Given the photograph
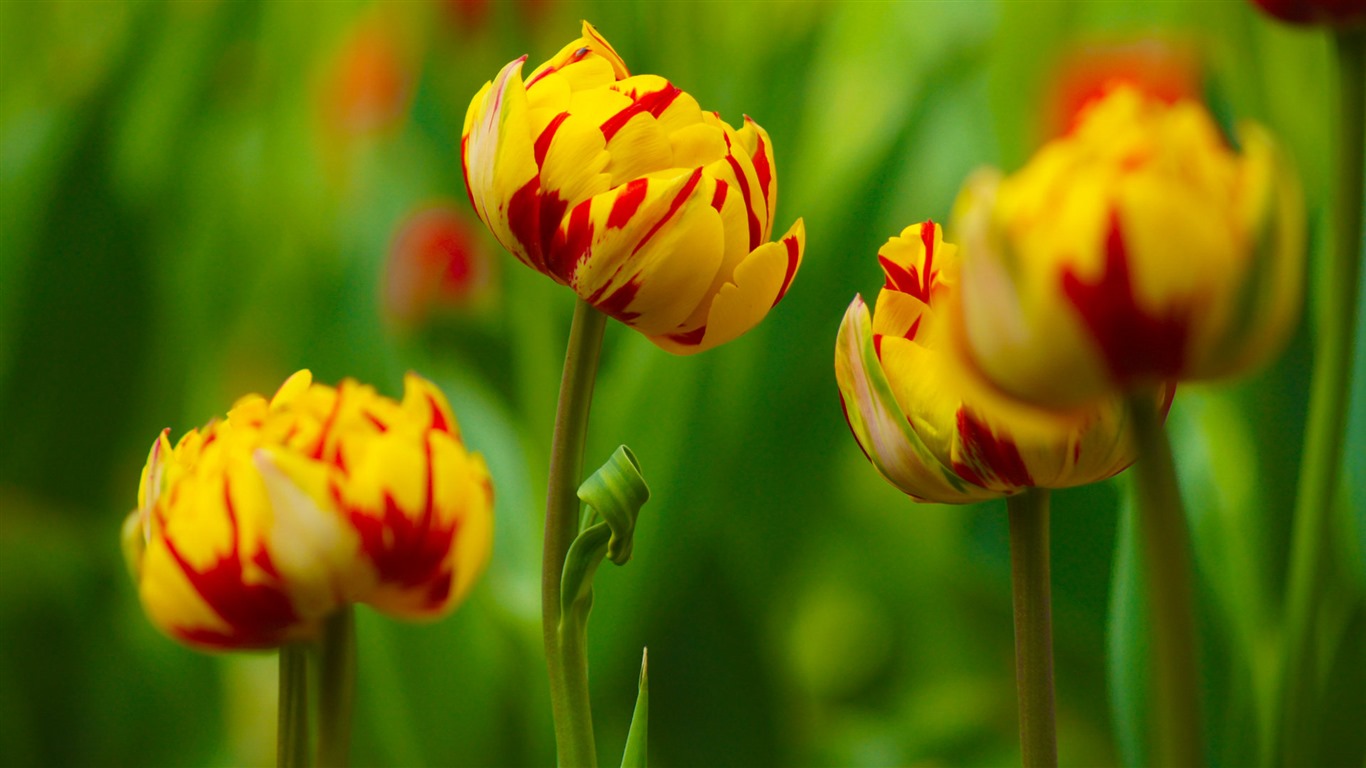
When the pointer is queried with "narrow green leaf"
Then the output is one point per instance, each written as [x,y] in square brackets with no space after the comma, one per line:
[636,739]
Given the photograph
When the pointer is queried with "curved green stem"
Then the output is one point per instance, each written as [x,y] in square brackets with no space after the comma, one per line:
[566,658]
[291,745]
[1029,577]
[1329,398]
[337,687]
[1165,548]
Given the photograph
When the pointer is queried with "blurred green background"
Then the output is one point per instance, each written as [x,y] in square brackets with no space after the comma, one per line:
[198,198]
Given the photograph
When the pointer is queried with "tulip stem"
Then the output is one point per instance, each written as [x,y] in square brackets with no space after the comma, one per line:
[1033,626]
[566,657]
[1165,547]
[337,687]
[291,743]
[1329,400]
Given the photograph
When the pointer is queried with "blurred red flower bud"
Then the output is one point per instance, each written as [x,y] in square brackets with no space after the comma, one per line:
[1164,70]
[367,84]
[436,263]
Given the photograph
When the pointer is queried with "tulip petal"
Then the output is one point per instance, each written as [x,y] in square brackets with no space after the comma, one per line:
[618,240]
[755,142]
[879,425]
[588,62]
[758,284]
[500,166]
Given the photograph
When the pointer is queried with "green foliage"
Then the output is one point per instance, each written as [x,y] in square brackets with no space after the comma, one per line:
[189,214]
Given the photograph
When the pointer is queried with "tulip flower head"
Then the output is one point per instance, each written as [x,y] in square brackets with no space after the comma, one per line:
[251,530]
[1138,248]
[621,187]
[926,419]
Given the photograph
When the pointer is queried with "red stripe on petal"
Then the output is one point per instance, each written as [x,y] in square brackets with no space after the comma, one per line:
[653,103]
[794,253]
[542,146]
[572,244]
[1135,344]
[317,452]
[762,171]
[439,422]
[617,301]
[927,230]
[258,615]
[552,213]
[899,278]
[718,198]
[676,204]
[755,233]
[524,221]
[988,457]
[689,338]
[573,57]
[627,203]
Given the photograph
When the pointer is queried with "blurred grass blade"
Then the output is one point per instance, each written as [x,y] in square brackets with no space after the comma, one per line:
[636,751]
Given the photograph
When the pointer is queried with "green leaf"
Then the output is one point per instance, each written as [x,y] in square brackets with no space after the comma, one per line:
[635,753]
[614,494]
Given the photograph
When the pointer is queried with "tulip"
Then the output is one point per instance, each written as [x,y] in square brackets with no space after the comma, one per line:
[250,531]
[436,265]
[922,413]
[1139,247]
[655,212]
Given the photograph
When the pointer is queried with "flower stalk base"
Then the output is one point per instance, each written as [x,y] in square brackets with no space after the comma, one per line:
[566,658]
[1165,549]
[337,688]
[1030,580]
[292,737]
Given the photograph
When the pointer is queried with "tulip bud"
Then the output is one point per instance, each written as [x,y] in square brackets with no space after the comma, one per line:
[436,265]
[249,531]
[922,413]
[655,212]
[1138,248]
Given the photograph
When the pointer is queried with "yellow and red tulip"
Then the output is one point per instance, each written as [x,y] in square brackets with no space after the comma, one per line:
[621,187]
[923,415]
[251,530]
[1140,247]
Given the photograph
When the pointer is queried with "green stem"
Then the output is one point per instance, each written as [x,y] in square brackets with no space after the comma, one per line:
[1165,547]
[1033,626]
[291,749]
[565,653]
[1328,403]
[337,688]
